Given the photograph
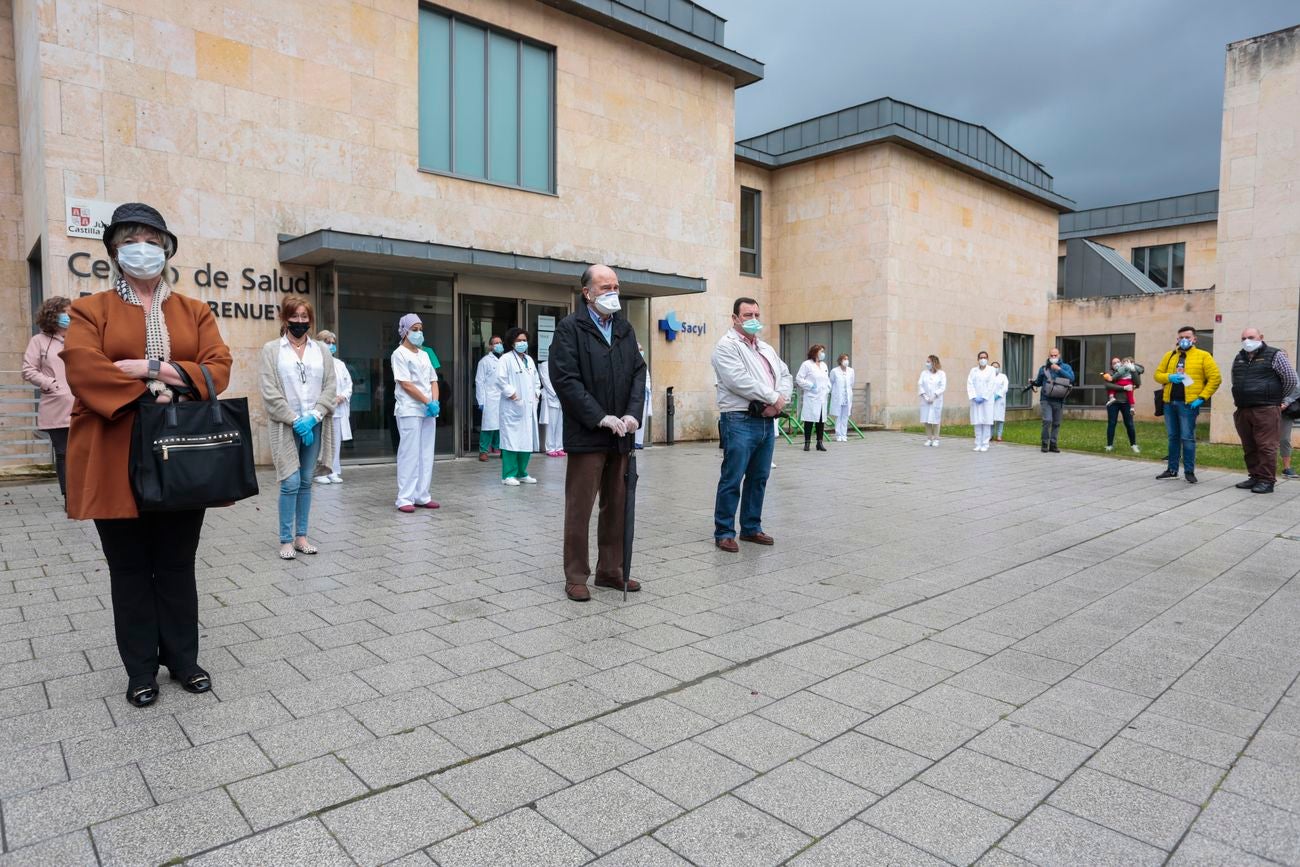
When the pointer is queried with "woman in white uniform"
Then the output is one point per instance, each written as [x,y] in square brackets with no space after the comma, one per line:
[1001,384]
[842,381]
[814,383]
[552,414]
[342,408]
[417,416]
[638,439]
[520,387]
[930,388]
[488,398]
[980,385]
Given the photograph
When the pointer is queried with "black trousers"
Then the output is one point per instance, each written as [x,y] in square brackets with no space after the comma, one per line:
[59,440]
[155,600]
[809,426]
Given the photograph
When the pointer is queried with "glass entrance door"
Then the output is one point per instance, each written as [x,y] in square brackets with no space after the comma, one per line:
[482,318]
[370,303]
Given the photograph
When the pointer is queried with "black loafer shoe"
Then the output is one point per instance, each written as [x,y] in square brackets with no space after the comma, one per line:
[197,681]
[1053,449]
[142,694]
[1247,485]
[1191,478]
[1262,488]
[1168,474]
[1044,450]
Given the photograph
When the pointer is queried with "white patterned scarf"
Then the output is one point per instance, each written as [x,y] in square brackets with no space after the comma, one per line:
[157,342]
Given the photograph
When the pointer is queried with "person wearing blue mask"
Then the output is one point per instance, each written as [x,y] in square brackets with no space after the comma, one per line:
[416,411]
[298,389]
[342,411]
[488,398]
[1189,376]
[43,368]
[520,386]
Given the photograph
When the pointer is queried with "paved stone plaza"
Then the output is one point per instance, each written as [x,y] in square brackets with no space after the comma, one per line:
[948,657]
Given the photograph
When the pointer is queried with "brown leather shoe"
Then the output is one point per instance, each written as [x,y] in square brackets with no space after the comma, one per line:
[759,539]
[729,545]
[633,585]
[482,456]
[577,592]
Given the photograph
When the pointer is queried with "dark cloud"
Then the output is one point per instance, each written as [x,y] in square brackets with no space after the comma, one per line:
[1119,100]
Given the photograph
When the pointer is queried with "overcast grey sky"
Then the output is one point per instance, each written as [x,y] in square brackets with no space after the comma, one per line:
[1120,101]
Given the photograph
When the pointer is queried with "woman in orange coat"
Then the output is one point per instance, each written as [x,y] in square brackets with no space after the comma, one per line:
[119,351]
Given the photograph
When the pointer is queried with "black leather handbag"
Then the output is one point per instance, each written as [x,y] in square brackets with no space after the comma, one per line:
[192,454]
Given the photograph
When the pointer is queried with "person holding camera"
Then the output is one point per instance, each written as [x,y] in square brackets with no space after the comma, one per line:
[1189,376]
[754,385]
[1055,380]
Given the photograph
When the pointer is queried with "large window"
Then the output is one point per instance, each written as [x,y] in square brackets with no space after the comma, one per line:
[1018,364]
[1090,357]
[750,232]
[487,103]
[1060,276]
[836,336]
[1163,265]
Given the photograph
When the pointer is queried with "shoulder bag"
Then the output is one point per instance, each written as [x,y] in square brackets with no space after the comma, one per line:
[192,454]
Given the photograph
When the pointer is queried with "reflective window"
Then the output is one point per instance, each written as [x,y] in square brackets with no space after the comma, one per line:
[750,231]
[1163,265]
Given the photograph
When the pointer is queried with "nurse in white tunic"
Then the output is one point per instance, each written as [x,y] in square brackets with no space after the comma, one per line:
[552,415]
[999,400]
[520,386]
[843,380]
[930,387]
[980,386]
[417,408]
[638,439]
[342,409]
[488,397]
[814,383]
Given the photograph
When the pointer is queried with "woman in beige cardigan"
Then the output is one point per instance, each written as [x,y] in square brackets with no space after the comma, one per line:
[298,388]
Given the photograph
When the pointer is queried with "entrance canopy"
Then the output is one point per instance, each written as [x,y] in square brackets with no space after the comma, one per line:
[347,248]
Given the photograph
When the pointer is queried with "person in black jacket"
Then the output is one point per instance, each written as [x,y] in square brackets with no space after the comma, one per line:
[1262,382]
[599,378]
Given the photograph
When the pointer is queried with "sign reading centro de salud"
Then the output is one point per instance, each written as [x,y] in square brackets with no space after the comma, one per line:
[87,218]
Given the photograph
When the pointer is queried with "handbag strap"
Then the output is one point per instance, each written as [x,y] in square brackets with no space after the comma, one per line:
[213,403]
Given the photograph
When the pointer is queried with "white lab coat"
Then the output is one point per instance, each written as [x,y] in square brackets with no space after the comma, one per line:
[639,437]
[843,379]
[487,392]
[549,412]
[981,383]
[1000,386]
[815,386]
[343,411]
[932,384]
[517,375]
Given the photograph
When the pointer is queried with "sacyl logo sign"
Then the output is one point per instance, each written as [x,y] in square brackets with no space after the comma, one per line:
[671,326]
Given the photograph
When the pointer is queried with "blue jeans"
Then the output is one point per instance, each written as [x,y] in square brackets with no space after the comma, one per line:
[1180,424]
[747,445]
[295,491]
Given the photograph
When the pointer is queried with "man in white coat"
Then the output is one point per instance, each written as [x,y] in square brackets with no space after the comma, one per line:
[999,400]
[551,414]
[843,379]
[487,394]
[980,387]
[638,439]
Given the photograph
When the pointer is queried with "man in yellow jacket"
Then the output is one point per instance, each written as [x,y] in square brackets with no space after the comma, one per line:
[1189,376]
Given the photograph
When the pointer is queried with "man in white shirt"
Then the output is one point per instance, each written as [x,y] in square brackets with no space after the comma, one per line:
[487,394]
[754,386]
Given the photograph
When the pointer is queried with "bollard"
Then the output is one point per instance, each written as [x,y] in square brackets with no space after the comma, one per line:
[670,412]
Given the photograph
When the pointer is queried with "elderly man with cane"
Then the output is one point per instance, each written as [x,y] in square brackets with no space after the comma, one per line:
[600,379]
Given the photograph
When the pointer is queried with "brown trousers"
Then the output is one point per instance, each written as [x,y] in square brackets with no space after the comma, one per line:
[587,475]
[1258,427]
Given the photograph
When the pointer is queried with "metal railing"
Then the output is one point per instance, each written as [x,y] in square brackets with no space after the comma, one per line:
[20,443]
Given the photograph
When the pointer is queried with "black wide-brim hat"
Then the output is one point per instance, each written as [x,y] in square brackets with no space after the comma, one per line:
[140,214]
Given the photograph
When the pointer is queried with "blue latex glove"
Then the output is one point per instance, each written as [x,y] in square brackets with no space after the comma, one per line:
[1175,377]
[997,397]
[432,408]
[977,400]
[304,425]
[308,438]
[1196,404]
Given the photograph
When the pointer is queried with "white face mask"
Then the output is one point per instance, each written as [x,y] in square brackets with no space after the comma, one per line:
[607,304]
[142,261]
[929,366]
[1251,345]
[844,362]
[984,362]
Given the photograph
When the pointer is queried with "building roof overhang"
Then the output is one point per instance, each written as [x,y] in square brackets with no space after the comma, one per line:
[324,246]
[1163,213]
[677,26]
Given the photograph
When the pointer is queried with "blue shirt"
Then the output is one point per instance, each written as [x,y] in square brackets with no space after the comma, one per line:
[606,330]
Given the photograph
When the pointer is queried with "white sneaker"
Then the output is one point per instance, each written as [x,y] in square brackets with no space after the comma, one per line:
[977,449]
[336,478]
[935,444]
[984,448]
[323,480]
[512,482]
[1137,450]
[929,442]
[1110,448]
[528,480]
